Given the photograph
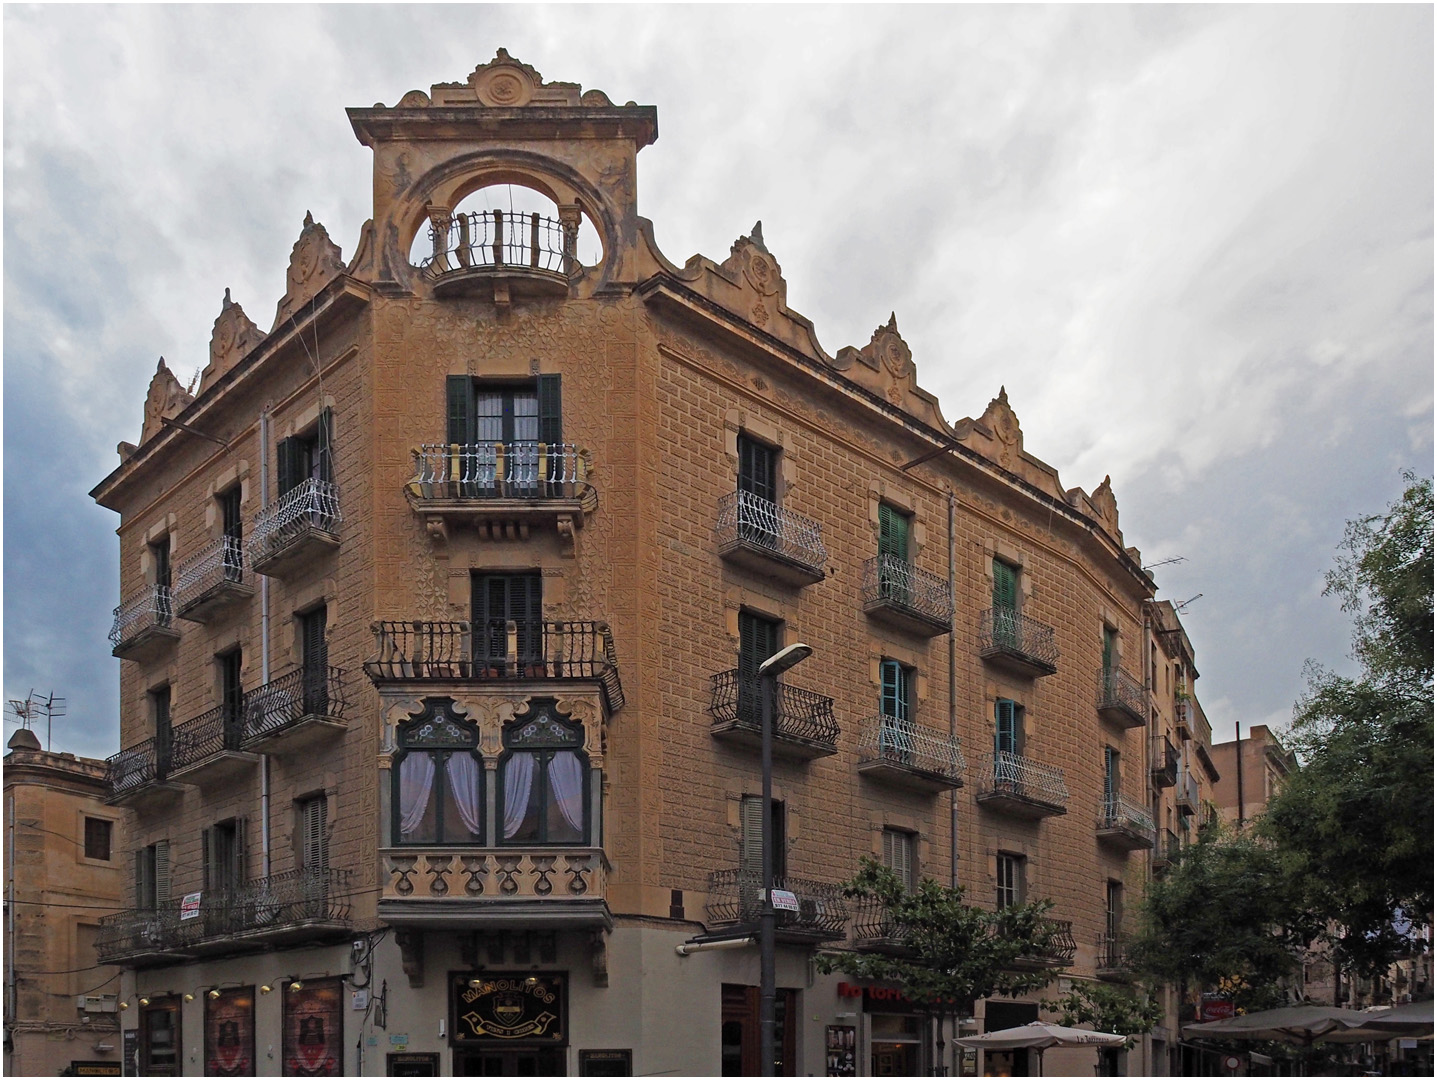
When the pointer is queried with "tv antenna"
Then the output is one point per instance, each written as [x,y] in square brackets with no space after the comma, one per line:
[1182,607]
[27,712]
[1166,562]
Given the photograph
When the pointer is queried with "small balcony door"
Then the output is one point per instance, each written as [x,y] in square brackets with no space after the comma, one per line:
[314,660]
[758,639]
[497,600]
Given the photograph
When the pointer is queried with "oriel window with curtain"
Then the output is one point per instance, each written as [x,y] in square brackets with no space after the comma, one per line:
[543,780]
[438,779]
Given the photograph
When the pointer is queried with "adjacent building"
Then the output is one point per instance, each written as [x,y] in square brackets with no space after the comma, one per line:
[443,601]
[1253,769]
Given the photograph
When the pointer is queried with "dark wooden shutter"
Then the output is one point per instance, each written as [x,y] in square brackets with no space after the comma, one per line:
[288,466]
[750,850]
[757,641]
[1112,775]
[239,866]
[314,661]
[1007,737]
[551,427]
[755,469]
[1005,586]
[892,532]
[145,878]
[1110,642]
[162,871]
[324,446]
[314,850]
[459,391]
[207,859]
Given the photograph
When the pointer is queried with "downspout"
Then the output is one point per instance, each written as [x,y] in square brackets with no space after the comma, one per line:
[264,641]
[952,693]
[1150,678]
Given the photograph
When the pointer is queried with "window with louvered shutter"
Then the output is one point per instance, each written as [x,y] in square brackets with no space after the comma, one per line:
[756,469]
[896,693]
[497,599]
[314,661]
[750,842]
[898,856]
[1113,912]
[1110,649]
[314,834]
[287,466]
[893,529]
[322,448]
[145,879]
[1008,727]
[1011,870]
[230,516]
[231,695]
[551,423]
[162,871]
[758,639]
[160,710]
[1112,774]
[1005,586]
[459,398]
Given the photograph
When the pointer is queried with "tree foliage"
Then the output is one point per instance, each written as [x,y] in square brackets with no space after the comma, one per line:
[1121,1010]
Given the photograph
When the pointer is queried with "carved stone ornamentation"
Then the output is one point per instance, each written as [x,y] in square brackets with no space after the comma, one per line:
[234,335]
[314,262]
[1000,419]
[166,399]
[1105,503]
[411,955]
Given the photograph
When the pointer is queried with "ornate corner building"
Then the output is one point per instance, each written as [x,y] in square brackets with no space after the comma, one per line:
[443,601]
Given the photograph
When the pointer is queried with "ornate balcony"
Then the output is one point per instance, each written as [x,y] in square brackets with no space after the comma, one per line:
[302,523]
[1166,850]
[506,253]
[1055,947]
[213,579]
[803,723]
[1124,824]
[208,748]
[1187,798]
[144,625]
[497,651]
[898,593]
[296,712]
[138,775]
[1012,784]
[736,899]
[495,888]
[873,929]
[1015,643]
[1122,699]
[760,536]
[1165,762]
[1111,962]
[307,905]
[907,754]
[503,488]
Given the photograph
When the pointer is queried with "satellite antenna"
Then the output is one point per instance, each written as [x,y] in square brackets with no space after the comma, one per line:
[33,708]
[1181,608]
[1166,562]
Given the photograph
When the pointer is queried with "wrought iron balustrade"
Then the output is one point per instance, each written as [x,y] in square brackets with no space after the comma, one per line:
[798,714]
[288,700]
[497,649]
[499,238]
[312,506]
[871,922]
[736,896]
[1187,793]
[151,608]
[1053,945]
[138,930]
[751,523]
[216,565]
[1121,812]
[888,579]
[137,767]
[1165,762]
[210,733]
[1012,775]
[910,745]
[1167,848]
[1112,953]
[498,470]
[1004,631]
[1121,697]
[494,873]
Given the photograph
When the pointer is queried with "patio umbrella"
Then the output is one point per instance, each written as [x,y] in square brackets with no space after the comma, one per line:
[1302,1025]
[1402,1022]
[1039,1036]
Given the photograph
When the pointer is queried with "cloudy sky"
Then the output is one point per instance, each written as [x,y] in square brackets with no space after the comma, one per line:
[1195,243]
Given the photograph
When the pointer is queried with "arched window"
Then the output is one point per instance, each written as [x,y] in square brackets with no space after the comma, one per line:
[544,780]
[438,779]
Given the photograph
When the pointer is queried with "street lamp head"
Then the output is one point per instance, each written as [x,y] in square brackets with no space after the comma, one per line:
[785,658]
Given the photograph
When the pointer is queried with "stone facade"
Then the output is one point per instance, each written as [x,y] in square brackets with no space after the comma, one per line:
[415,378]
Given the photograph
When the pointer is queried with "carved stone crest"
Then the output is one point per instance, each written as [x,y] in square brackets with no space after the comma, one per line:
[166,399]
[1000,419]
[1106,505]
[234,335]
[314,262]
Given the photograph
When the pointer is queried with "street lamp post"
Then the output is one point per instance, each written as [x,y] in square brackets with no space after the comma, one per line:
[768,673]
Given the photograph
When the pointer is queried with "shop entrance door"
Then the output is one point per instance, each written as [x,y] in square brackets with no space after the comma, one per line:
[515,1061]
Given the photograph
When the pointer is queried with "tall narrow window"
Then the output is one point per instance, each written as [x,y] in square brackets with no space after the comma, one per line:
[160,1038]
[312,815]
[306,457]
[230,665]
[897,691]
[152,875]
[438,779]
[1010,870]
[497,600]
[232,557]
[750,849]
[895,572]
[160,713]
[97,838]
[501,429]
[758,521]
[314,660]
[1110,650]
[222,856]
[1112,778]
[543,780]
[758,639]
[1005,586]
[900,857]
[164,604]
[1007,744]
[1113,911]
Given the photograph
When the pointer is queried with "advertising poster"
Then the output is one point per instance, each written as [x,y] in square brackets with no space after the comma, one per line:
[842,1045]
[313,1030]
[229,1033]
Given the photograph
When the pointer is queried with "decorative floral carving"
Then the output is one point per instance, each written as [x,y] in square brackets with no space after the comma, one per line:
[1000,419]
[234,335]
[314,262]
[165,399]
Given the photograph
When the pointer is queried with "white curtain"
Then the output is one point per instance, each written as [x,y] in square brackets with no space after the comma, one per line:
[416,780]
[463,773]
[566,785]
[518,780]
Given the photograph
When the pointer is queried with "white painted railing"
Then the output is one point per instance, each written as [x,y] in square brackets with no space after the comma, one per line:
[313,504]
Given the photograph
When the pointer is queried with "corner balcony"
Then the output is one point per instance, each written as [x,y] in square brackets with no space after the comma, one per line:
[1111,962]
[139,775]
[503,489]
[308,905]
[495,888]
[1165,762]
[1188,802]
[1017,644]
[1012,784]
[1122,699]
[1055,947]
[907,754]
[1124,824]
[144,625]
[212,580]
[500,253]
[775,543]
[303,523]
[898,593]
[736,901]
[1166,850]
[803,723]
[208,748]
[297,712]
[497,651]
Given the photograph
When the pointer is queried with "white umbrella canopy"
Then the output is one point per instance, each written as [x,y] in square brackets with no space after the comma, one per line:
[1299,1024]
[1415,1015]
[1040,1036]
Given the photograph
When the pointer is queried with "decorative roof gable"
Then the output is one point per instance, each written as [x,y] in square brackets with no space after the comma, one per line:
[234,335]
[166,399]
[314,262]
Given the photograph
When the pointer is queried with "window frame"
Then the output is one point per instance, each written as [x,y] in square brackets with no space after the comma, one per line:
[906,840]
[542,712]
[895,532]
[1011,879]
[897,684]
[757,467]
[312,849]
[1016,718]
[453,734]
[109,834]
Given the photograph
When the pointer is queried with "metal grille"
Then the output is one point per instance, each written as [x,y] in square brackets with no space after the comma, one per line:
[1006,773]
[798,713]
[290,698]
[150,607]
[132,769]
[908,743]
[1112,952]
[501,238]
[1008,630]
[893,580]
[1119,690]
[312,504]
[498,470]
[1121,812]
[1187,792]
[218,562]
[745,518]
[206,735]
[872,923]
[1165,762]
[736,896]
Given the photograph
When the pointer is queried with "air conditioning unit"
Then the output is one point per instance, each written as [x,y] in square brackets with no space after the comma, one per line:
[96,1003]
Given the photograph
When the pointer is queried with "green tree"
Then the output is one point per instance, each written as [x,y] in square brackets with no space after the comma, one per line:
[1121,1010]
[1356,817]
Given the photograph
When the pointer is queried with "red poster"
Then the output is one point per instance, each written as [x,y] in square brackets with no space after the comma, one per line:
[313,1030]
[229,1033]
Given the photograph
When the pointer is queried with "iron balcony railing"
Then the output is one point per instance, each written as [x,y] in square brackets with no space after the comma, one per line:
[736,896]
[1121,812]
[1165,762]
[311,505]
[153,606]
[798,714]
[871,922]
[1054,945]
[1167,847]
[1119,690]
[1112,952]
[499,649]
[892,580]
[746,519]
[495,238]
[145,763]
[1187,793]
[910,744]
[1007,630]
[208,734]
[1007,773]
[284,702]
[497,470]
[138,930]
[217,563]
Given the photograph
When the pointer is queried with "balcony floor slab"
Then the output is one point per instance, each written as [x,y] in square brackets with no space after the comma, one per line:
[220,768]
[305,734]
[1015,662]
[792,747]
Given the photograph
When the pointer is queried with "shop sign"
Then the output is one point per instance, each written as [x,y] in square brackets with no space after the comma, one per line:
[606,1063]
[1215,1007]
[840,1042]
[508,1008]
[229,1033]
[411,1065]
[190,906]
[95,1068]
[884,999]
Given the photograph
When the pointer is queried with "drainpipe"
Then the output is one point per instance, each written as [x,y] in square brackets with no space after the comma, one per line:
[952,694]
[264,640]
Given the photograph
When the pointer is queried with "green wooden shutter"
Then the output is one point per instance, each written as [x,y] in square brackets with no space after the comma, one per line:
[895,699]
[750,852]
[892,532]
[459,391]
[551,427]
[287,466]
[1005,586]
[1112,775]
[1006,734]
